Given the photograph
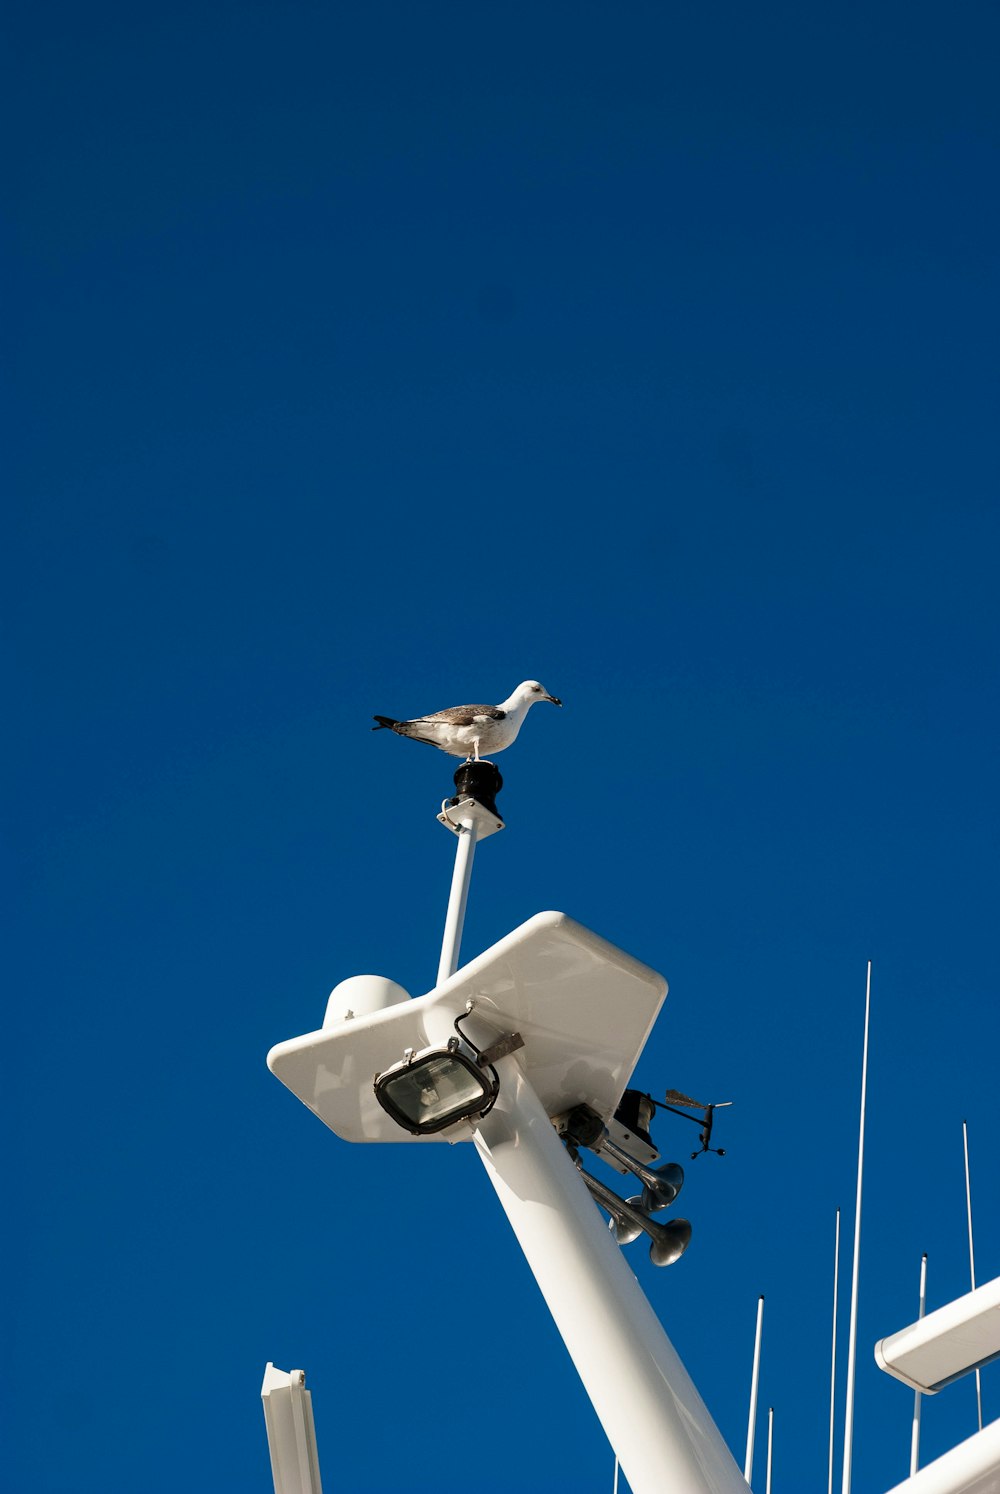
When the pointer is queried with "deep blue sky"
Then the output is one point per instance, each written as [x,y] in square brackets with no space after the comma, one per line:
[372,358]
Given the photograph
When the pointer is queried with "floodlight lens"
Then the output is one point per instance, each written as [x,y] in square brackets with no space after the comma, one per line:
[433,1092]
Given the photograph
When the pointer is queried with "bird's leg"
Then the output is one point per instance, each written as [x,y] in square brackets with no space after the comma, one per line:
[475,750]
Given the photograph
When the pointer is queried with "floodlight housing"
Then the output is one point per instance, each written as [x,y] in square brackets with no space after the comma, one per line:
[429,1091]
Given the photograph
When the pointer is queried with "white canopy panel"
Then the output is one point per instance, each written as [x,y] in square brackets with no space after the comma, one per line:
[973,1467]
[950,1342]
[583,1007]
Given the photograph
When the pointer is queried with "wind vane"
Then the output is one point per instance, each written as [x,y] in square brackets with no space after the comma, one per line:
[705,1121]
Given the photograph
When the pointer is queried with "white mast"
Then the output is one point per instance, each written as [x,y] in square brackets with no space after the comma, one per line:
[472,815]
[770,1437]
[853,1337]
[754,1377]
[972,1258]
[556,977]
[459,897]
[652,1414]
[833,1349]
[915,1435]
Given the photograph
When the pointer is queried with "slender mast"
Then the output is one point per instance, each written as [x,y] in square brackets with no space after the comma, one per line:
[754,1377]
[853,1334]
[455,917]
[770,1438]
[833,1350]
[651,1412]
[972,1258]
[915,1435]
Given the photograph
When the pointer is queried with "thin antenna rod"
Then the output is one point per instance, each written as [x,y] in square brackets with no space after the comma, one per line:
[615,1488]
[972,1258]
[770,1434]
[915,1436]
[455,918]
[833,1349]
[852,1344]
[755,1376]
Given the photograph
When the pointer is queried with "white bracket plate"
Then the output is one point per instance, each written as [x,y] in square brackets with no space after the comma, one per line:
[486,822]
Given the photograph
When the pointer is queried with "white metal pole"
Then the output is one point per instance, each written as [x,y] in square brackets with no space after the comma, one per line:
[972,1258]
[915,1435]
[852,1344]
[615,1489]
[770,1436]
[651,1412]
[754,1378]
[833,1349]
[458,898]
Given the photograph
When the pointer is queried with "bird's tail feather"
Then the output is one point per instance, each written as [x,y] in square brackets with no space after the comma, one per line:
[384,723]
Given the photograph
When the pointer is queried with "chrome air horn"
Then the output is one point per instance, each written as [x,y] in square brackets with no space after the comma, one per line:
[668,1242]
[660,1185]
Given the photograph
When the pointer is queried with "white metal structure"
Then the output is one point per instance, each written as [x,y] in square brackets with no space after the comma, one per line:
[455,919]
[852,1342]
[915,1431]
[654,1417]
[565,1016]
[754,1381]
[947,1343]
[973,1467]
[291,1435]
[972,1256]
[833,1350]
[471,822]
[584,1009]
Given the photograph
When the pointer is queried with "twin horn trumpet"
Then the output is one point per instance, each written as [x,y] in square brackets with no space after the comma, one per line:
[661,1185]
[668,1242]
[630,1217]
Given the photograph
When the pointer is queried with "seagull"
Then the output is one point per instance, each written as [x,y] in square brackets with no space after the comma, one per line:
[463,730]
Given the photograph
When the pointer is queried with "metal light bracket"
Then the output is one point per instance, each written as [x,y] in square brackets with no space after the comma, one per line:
[509,1043]
[455,810]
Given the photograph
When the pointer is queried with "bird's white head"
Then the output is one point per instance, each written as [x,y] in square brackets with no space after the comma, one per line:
[531,691]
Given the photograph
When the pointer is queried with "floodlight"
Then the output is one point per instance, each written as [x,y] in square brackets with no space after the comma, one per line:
[429,1091]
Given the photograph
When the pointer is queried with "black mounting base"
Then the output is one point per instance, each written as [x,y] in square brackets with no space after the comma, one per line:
[480,781]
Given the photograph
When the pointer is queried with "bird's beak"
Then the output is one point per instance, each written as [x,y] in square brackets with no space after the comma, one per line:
[554,699]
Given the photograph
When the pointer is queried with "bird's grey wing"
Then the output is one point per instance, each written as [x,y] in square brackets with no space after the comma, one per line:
[466,715]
